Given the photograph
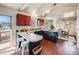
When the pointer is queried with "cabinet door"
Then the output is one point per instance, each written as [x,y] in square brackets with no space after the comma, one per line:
[27,21]
[40,22]
[20,20]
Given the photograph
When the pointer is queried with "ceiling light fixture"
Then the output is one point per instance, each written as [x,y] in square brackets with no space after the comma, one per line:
[48,11]
[34,13]
[24,6]
[54,4]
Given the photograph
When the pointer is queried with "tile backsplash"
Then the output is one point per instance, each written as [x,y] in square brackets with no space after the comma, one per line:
[29,30]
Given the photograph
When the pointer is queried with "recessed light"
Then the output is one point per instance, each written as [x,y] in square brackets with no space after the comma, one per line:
[47,11]
[34,13]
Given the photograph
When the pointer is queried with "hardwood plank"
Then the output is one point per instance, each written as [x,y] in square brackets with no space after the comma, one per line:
[61,47]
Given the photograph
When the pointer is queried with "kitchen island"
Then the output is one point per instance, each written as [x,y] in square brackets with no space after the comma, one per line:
[33,40]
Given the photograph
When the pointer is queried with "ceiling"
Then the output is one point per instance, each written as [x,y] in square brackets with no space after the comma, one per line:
[41,8]
[13,5]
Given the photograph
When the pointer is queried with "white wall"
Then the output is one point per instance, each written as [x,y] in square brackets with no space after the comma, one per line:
[77,26]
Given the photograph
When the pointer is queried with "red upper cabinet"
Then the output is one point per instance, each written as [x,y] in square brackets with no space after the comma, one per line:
[40,22]
[23,20]
[27,21]
[20,20]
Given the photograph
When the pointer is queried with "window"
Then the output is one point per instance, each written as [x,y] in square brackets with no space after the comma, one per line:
[69,14]
[5,22]
[5,27]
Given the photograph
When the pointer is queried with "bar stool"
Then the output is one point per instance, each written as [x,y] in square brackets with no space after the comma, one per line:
[19,41]
[24,45]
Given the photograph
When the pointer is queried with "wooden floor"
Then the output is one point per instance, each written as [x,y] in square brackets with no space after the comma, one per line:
[61,47]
